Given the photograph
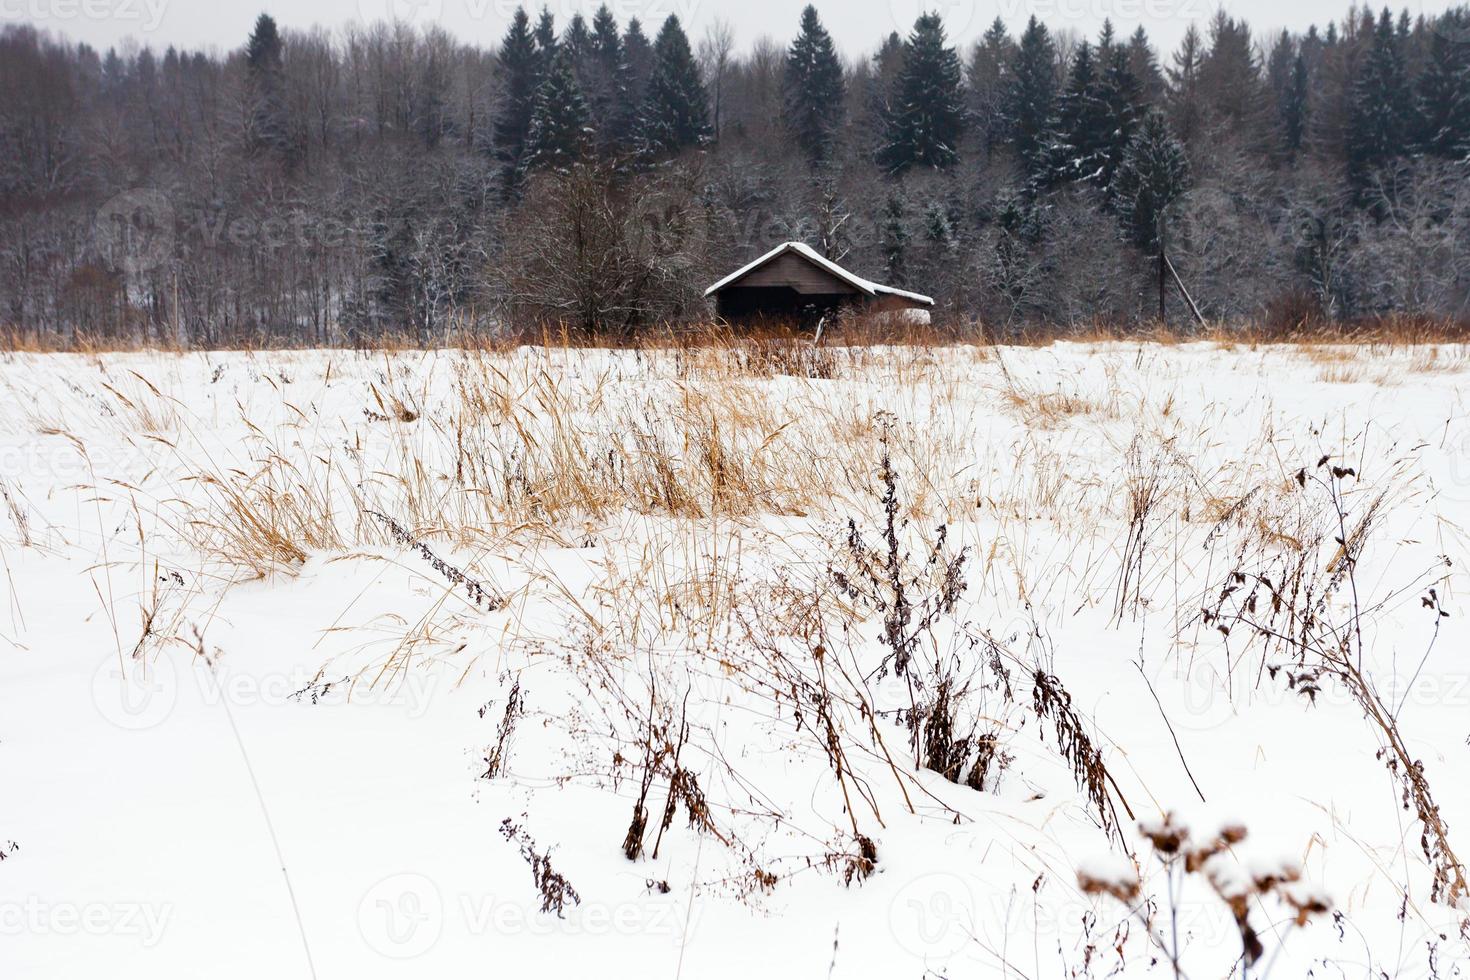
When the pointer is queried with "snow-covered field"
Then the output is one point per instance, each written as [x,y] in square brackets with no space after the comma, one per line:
[449,635]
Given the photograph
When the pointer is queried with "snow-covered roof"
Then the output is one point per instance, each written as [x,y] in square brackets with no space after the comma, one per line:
[816,258]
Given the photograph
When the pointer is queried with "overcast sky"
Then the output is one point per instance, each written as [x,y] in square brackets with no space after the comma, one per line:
[857,25]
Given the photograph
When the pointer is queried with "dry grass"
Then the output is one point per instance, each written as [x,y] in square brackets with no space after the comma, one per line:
[1395,330]
[760,517]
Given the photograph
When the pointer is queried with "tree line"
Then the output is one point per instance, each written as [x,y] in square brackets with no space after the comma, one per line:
[313,187]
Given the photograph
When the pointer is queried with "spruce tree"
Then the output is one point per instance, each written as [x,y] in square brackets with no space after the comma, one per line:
[614,112]
[1144,65]
[1017,232]
[893,241]
[1379,99]
[561,124]
[638,56]
[814,103]
[576,42]
[269,126]
[1184,86]
[1031,97]
[1076,147]
[925,125]
[1122,103]
[546,38]
[519,69]
[1096,117]
[1294,107]
[1443,91]
[882,94]
[1279,64]
[606,43]
[1230,76]
[675,112]
[988,75]
[1154,174]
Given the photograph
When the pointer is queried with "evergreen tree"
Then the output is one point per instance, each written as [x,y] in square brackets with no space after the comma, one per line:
[814,104]
[1018,231]
[1031,97]
[1184,86]
[1122,103]
[882,95]
[519,68]
[1379,101]
[1144,65]
[545,36]
[893,241]
[638,56]
[561,124]
[1331,102]
[1279,66]
[576,42]
[939,230]
[988,75]
[1230,79]
[676,107]
[1294,107]
[614,111]
[1443,92]
[1096,117]
[1076,148]
[1154,174]
[606,42]
[925,125]
[269,125]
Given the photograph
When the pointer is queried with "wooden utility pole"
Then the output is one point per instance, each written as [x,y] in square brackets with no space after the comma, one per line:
[1163,279]
[1166,272]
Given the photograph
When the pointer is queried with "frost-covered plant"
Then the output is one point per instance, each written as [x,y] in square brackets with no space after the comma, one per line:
[1181,856]
[1309,614]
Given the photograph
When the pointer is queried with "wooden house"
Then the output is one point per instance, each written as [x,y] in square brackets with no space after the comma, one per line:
[794,283]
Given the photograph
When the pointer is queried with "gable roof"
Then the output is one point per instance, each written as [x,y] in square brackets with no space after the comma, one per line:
[862,285]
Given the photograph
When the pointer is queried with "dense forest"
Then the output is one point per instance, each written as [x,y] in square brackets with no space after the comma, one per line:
[324,186]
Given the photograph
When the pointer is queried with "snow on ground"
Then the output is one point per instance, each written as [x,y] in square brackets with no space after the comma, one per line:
[241,630]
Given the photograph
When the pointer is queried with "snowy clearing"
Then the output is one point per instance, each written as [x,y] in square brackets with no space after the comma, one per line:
[859,663]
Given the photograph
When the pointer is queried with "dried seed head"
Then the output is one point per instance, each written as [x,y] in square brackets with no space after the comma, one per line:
[1166,835]
[1123,889]
[1306,901]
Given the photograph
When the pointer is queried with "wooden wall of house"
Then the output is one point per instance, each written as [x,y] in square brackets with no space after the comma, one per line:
[794,272]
